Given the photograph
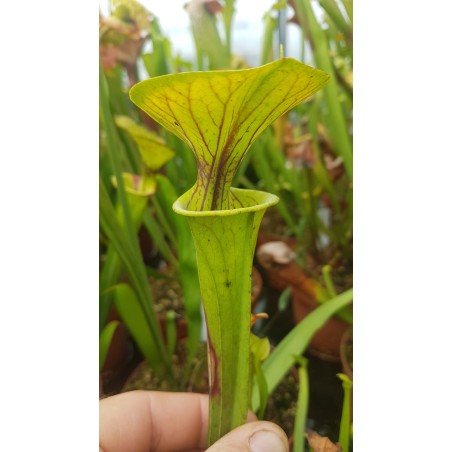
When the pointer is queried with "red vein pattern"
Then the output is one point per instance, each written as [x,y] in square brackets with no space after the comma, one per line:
[219,114]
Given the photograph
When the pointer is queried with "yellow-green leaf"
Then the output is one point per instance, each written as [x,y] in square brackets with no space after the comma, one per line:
[105,339]
[260,346]
[137,185]
[220,113]
[153,149]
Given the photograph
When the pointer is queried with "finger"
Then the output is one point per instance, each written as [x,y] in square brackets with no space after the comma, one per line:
[260,436]
[150,421]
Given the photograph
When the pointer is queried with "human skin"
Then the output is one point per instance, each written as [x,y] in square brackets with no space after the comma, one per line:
[164,421]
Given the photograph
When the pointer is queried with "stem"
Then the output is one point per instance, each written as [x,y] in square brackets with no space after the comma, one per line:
[344,430]
[302,405]
[326,272]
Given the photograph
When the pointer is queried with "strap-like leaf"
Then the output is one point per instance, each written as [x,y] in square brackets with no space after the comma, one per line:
[105,339]
[282,358]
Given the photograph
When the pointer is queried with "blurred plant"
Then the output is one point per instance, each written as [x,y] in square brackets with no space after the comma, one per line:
[306,157]
[133,152]
[122,35]
[139,189]
[328,35]
[105,339]
[212,50]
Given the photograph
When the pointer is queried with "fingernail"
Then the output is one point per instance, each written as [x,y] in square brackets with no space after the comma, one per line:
[267,441]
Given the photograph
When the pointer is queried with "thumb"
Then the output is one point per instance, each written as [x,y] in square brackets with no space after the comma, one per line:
[259,436]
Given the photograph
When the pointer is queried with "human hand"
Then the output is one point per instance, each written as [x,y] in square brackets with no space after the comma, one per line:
[164,421]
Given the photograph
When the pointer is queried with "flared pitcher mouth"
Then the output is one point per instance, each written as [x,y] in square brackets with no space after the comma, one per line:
[251,201]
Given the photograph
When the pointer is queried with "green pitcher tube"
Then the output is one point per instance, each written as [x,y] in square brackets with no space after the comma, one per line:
[225,241]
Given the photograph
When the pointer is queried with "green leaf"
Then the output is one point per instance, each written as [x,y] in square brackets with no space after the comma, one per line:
[188,269]
[153,149]
[158,62]
[260,346]
[137,185]
[171,331]
[281,359]
[228,14]
[114,153]
[219,114]
[284,298]
[128,307]
[260,349]
[105,340]
[137,190]
[261,383]
[156,232]
[333,10]
[135,268]
[270,26]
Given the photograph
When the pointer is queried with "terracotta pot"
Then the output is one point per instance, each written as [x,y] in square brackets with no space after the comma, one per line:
[281,272]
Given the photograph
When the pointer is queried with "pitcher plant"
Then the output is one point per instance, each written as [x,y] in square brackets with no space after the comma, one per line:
[219,114]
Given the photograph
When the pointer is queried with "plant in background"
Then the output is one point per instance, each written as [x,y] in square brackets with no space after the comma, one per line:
[139,188]
[133,153]
[141,200]
[120,231]
[277,364]
[306,160]
[219,114]
[346,426]
[327,36]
